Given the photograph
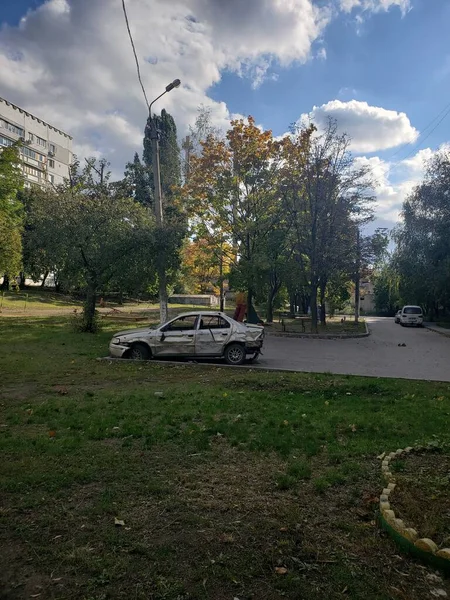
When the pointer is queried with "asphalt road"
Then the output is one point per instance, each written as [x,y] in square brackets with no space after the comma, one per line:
[426,355]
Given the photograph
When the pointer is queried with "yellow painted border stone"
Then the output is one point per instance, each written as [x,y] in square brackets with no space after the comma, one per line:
[408,533]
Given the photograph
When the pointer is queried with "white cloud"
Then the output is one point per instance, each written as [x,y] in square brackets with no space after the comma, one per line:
[371,128]
[394,181]
[70,61]
[389,196]
[375,5]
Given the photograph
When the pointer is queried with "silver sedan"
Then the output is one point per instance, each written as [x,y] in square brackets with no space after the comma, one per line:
[202,334]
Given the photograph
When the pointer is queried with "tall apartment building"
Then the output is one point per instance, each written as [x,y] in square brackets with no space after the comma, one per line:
[47,152]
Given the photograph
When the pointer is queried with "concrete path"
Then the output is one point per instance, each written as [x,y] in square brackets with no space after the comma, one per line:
[426,355]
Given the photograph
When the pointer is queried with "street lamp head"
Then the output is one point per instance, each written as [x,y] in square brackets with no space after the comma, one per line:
[175,83]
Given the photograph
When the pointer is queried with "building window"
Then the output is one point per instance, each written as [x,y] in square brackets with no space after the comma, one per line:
[31,137]
[32,154]
[51,163]
[28,152]
[51,178]
[13,128]
[5,141]
[32,171]
[52,148]
[41,142]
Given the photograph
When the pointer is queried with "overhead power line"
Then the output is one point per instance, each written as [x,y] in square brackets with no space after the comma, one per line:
[134,52]
[445,111]
[428,134]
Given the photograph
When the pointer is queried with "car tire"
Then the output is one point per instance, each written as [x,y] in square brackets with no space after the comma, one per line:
[139,352]
[402,324]
[235,354]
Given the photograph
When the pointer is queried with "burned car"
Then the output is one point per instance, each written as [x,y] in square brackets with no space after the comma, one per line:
[200,334]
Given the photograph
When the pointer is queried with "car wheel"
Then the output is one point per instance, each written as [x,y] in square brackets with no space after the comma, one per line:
[235,354]
[402,324]
[139,352]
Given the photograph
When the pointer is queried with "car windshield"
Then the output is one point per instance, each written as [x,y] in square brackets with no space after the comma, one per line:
[412,310]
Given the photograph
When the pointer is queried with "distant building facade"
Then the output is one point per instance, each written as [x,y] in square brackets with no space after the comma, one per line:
[47,152]
[367,297]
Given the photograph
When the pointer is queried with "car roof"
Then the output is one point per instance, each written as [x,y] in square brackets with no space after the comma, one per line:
[412,306]
[196,313]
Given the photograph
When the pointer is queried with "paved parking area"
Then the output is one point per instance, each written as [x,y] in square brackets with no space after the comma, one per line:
[425,356]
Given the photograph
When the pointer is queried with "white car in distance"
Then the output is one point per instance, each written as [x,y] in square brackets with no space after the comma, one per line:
[411,315]
[202,334]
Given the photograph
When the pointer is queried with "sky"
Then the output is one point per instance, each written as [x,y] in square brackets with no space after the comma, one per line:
[381,68]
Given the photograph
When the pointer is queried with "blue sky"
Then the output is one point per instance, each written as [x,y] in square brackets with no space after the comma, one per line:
[381,67]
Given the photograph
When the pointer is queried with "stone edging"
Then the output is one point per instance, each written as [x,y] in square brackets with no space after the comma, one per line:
[430,327]
[321,336]
[406,537]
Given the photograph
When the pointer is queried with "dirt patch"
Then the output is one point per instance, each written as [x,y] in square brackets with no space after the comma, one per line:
[204,525]
[422,495]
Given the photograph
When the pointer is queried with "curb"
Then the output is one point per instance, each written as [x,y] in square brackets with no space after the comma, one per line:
[438,331]
[405,537]
[322,336]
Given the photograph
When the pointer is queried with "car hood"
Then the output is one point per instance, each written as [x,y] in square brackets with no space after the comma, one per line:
[137,331]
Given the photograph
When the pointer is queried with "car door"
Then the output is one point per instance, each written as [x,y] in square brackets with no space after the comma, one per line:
[177,337]
[212,335]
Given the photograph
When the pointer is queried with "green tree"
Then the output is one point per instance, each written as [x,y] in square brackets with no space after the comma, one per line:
[324,196]
[11,212]
[135,183]
[91,236]
[386,289]
[169,152]
[171,235]
[232,194]
[422,255]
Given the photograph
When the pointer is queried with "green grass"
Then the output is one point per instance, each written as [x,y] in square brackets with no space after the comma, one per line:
[222,479]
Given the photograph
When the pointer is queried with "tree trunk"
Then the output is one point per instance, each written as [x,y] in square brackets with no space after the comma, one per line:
[44,279]
[270,299]
[323,287]
[89,308]
[292,304]
[22,280]
[313,306]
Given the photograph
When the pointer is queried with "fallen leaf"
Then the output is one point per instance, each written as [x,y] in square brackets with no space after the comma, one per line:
[285,422]
[283,529]
[281,570]
[52,433]
[119,522]
[353,427]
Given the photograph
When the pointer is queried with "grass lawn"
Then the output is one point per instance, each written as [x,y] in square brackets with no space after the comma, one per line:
[229,483]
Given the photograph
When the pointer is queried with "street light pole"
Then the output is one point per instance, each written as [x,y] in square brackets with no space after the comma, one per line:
[159,214]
